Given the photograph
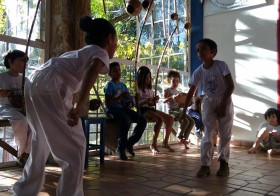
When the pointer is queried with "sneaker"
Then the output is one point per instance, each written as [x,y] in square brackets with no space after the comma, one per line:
[121,154]
[203,171]
[224,169]
[130,150]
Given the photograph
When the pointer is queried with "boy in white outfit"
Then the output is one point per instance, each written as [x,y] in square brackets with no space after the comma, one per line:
[54,121]
[11,87]
[215,78]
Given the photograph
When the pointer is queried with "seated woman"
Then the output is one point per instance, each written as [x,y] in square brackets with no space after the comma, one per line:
[10,85]
[268,134]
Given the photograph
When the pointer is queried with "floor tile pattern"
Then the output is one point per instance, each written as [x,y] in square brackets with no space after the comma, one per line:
[170,173]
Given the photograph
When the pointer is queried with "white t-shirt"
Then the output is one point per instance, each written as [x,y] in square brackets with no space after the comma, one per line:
[270,127]
[8,82]
[172,105]
[149,93]
[212,79]
[73,65]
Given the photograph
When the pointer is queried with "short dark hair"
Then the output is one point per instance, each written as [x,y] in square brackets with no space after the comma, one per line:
[13,55]
[209,42]
[270,112]
[113,64]
[173,73]
[97,30]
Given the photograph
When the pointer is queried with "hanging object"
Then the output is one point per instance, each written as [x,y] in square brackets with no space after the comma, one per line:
[104,7]
[26,50]
[161,57]
[137,54]
[187,26]
[133,7]
[174,16]
[148,3]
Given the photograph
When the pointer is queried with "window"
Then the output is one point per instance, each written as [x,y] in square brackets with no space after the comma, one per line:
[15,24]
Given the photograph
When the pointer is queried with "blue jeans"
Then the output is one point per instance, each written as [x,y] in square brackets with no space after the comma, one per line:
[197,119]
[125,117]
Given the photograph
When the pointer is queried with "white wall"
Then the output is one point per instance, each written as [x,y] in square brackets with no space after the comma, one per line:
[246,39]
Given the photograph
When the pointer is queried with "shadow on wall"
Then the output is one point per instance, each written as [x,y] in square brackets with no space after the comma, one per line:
[246,41]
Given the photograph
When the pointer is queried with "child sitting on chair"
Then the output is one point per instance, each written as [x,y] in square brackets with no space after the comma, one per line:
[10,88]
[175,108]
[269,134]
[116,93]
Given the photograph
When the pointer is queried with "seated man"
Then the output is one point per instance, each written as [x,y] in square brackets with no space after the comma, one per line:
[10,89]
[269,134]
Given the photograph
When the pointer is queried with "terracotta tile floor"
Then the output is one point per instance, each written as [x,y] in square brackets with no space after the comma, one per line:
[168,174]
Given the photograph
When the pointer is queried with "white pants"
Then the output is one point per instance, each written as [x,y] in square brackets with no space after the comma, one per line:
[47,104]
[209,119]
[20,127]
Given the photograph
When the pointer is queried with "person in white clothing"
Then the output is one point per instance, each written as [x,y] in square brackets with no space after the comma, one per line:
[268,134]
[215,78]
[11,107]
[54,120]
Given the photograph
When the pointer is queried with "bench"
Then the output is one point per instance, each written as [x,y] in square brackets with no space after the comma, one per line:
[3,144]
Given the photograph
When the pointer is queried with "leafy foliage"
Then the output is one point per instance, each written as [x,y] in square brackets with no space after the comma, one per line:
[3,16]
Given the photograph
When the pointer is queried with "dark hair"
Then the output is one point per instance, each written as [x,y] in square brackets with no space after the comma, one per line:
[113,64]
[97,30]
[141,77]
[209,42]
[173,73]
[12,55]
[270,112]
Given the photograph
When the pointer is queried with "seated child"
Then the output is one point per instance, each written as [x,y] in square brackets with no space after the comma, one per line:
[116,93]
[147,101]
[175,109]
[268,134]
[11,87]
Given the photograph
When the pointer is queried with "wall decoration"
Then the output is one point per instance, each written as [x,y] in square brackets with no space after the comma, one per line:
[212,7]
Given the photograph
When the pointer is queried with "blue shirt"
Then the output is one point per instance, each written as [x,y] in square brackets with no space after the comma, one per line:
[114,89]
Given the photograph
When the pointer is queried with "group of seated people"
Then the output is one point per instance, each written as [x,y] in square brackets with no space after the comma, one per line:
[119,103]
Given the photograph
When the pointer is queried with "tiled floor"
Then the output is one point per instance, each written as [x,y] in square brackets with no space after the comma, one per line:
[168,174]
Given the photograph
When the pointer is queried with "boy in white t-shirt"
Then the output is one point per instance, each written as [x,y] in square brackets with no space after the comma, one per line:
[217,84]
[268,134]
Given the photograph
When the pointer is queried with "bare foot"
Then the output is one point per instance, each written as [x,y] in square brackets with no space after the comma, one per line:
[166,146]
[252,150]
[184,142]
[154,149]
